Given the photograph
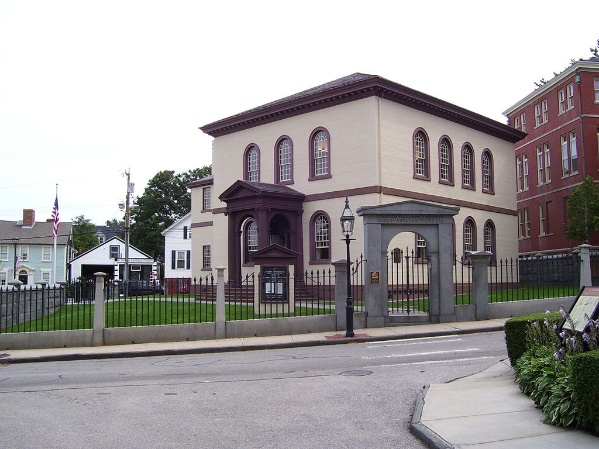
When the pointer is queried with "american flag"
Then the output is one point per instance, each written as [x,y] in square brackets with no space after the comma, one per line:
[55,217]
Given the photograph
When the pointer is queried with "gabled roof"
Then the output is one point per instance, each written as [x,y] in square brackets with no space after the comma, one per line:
[39,234]
[355,87]
[247,189]
[176,223]
[107,242]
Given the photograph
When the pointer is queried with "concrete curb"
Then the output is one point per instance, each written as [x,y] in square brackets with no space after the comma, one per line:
[422,432]
[101,353]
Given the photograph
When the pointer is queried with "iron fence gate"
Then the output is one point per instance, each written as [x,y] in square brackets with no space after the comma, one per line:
[408,276]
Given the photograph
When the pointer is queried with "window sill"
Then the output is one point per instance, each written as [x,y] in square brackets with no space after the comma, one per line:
[316,178]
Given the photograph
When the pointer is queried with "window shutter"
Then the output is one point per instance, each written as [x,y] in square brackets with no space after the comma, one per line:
[173,259]
[185,232]
[188,259]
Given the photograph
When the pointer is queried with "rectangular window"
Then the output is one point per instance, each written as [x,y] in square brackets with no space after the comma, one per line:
[565,156]
[540,166]
[542,219]
[206,262]
[570,90]
[545,111]
[547,163]
[181,259]
[519,174]
[421,253]
[525,169]
[46,254]
[596,90]
[573,153]
[4,252]
[3,277]
[115,251]
[537,115]
[523,223]
[523,120]
[24,253]
[517,123]
[46,276]
[206,198]
[561,99]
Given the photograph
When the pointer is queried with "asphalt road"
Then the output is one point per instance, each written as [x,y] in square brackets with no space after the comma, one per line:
[340,396]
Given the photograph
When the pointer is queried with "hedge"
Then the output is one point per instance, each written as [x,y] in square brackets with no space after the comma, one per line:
[585,367]
[515,332]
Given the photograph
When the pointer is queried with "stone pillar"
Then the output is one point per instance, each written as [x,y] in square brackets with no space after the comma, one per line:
[480,282]
[585,266]
[341,274]
[98,332]
[221,329]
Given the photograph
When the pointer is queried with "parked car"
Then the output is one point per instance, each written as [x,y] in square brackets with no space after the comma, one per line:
[137,287]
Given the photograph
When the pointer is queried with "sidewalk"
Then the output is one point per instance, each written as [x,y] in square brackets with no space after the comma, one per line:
[483,411]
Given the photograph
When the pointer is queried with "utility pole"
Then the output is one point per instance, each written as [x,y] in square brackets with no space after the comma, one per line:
[127,231]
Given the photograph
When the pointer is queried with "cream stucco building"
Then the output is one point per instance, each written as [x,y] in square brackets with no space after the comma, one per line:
[281,173]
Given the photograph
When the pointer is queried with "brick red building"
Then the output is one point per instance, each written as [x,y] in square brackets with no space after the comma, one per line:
[561,119]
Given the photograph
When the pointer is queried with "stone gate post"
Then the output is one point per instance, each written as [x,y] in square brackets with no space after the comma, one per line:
[221,327]
[480,282]
[340,292]
[98,332]
[585,266]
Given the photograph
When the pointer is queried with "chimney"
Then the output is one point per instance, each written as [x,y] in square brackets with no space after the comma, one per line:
[28,218]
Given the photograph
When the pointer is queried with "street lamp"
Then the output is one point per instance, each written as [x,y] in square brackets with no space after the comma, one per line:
[347,229]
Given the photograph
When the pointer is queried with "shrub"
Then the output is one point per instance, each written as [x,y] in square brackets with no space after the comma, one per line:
[515,332]
[585,367]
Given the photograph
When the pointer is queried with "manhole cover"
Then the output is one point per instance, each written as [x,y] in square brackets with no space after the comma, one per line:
[357,372]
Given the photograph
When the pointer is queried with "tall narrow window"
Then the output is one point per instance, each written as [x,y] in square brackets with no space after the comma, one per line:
[206,198]
[490,239]
[206,259]
[537,115]
[545,111]
[596,90]
[523,120]
[547,162]
[250,240]
[540,166]
[320,155]
[47,254]
[445,162]
[573,152]
[519,174]
[525,170]
[565,156]
[467,167]
[469,243]
[421,158]
[252,164]
[542,219]
[488,174]
[570,90]
[320,236]
[523,223]
[561,101]
[517,123]
[283,161]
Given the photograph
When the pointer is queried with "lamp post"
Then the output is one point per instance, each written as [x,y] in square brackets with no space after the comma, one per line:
[347,229]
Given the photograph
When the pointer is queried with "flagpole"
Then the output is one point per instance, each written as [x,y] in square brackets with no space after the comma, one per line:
[55,234]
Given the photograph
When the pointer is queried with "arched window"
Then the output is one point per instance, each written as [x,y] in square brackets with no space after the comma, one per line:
[469,236]
[284,161]
[421,155]
[320,238]
[251,170]
[445,161]
[487,169]
[489,236]
[320,154]
[250,239]
[468,167]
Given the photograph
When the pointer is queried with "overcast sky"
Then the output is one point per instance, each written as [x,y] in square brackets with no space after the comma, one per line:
[90,89]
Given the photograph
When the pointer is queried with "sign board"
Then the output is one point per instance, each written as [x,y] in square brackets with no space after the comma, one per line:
[374,277]
[274,284]
[587,303]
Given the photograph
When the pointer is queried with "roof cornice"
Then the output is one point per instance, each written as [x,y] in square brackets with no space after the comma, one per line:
[356,87]
[585,65]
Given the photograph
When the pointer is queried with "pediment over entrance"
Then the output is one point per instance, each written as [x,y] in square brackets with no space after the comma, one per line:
[411,207]
[245,190]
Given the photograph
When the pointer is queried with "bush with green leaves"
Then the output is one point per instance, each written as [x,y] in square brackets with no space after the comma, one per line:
[549,371]
[516,331]
[585,367]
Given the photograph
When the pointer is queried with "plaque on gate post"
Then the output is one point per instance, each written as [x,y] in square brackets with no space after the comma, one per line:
[274,284]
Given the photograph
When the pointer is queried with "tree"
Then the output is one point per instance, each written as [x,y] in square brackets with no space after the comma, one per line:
[84,234]
[118,226]
[583,211]
[165,200]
